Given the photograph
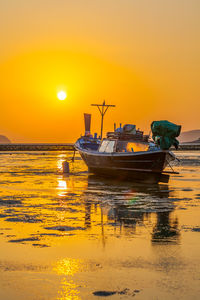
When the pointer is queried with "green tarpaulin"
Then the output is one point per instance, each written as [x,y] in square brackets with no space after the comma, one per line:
[164,133]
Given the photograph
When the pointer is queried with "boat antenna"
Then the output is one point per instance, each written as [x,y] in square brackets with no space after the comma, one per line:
[102,109]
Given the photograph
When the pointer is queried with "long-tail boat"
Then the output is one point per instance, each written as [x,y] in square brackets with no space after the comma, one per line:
[126,153]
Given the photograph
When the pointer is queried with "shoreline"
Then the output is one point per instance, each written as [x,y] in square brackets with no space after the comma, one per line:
[70,147]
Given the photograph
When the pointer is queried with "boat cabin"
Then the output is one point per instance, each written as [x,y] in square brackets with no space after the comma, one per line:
[126,139]
[110,146]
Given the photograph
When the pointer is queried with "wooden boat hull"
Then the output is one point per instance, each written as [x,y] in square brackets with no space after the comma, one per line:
[145,165]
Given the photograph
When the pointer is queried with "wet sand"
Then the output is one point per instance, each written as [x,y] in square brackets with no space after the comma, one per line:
[82,237]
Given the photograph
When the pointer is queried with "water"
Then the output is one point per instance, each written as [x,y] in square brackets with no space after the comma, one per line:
[81,237]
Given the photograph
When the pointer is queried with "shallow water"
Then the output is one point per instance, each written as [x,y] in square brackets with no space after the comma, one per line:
[82,237]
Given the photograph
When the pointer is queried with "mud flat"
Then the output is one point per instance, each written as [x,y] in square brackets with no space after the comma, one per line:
[82,237]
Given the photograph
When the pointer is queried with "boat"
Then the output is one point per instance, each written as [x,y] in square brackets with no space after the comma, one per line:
[128,154]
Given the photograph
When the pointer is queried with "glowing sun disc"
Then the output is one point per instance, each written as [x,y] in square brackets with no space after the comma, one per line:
[61,95]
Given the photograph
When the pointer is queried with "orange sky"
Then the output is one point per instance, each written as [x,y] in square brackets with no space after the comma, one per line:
[141,55]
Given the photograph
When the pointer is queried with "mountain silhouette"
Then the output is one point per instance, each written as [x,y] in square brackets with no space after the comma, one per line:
[4,140]
[189,136]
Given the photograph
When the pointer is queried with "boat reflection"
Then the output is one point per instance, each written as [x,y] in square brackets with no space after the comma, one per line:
[166,229]
[108,205]
[128,205]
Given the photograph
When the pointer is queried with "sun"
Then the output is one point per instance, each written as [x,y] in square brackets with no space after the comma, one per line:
[62,95]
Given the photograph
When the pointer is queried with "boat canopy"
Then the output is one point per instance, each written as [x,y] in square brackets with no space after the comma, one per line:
[164,133]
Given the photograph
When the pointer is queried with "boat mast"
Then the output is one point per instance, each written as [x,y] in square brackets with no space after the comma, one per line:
[102,109]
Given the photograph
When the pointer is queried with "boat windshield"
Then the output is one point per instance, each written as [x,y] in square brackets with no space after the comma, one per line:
[126,146]
[107,146]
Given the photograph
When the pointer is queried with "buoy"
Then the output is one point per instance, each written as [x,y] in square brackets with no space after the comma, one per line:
[65,166]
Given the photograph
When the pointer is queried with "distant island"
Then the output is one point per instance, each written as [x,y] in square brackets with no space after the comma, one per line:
[4,140]
[190,136]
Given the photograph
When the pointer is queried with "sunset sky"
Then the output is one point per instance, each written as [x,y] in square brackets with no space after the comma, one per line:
[142,55]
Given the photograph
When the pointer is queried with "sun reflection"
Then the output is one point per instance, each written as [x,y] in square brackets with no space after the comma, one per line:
[61,159]
[69,291]
[62,184]
[68,266]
